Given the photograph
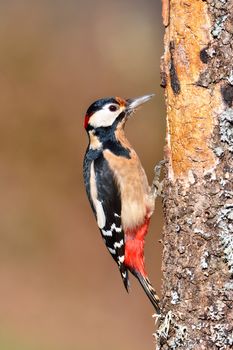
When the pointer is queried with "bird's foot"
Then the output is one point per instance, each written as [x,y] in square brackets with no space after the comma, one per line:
[157,186]
[169,331]
[164,325]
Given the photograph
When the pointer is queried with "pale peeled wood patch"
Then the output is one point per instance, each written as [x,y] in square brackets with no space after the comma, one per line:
[190,120]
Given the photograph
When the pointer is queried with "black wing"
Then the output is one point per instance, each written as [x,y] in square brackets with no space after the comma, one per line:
[109,196]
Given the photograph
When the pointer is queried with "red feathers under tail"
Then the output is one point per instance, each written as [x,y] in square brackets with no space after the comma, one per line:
[134,247]
[135,262]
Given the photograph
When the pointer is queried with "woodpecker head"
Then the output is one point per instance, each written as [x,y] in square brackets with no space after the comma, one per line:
[109,112]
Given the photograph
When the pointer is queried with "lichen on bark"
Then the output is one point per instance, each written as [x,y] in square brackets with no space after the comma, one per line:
[198,193]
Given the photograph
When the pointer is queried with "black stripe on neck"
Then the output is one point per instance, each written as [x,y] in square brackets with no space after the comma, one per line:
[106,136]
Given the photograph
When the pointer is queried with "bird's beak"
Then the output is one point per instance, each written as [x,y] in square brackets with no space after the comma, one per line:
[133,103]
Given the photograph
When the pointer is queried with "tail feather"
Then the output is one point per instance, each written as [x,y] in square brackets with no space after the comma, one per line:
[149,290]
[124,276]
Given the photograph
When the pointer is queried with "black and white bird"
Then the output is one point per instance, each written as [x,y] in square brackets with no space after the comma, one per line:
[117,187]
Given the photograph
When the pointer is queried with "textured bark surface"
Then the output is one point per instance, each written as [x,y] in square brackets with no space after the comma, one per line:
[197,73]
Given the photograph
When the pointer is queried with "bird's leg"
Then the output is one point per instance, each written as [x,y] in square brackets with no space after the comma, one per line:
[157,186]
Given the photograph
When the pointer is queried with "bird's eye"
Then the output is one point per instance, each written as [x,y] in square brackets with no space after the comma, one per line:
[112,108]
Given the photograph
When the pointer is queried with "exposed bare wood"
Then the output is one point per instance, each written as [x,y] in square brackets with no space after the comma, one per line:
[165,12]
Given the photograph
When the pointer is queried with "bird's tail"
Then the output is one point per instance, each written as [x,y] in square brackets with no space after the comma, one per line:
[124,276]
[149,290]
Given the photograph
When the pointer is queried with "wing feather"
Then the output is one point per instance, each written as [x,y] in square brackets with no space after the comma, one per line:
[108,195]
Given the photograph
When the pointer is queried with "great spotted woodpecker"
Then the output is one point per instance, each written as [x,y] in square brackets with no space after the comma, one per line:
[117,187]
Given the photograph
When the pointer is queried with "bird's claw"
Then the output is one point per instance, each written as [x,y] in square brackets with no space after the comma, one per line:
[157,186]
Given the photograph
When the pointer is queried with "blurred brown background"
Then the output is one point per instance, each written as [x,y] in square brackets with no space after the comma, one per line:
[59,287]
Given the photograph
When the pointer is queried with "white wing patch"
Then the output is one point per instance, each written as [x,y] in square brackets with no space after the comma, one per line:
[101,219]
[117,229]
[108,233]
[112,251]
[121,259]
[119,244]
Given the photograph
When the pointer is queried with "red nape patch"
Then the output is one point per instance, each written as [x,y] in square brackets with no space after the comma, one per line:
[134,248]
[86,120]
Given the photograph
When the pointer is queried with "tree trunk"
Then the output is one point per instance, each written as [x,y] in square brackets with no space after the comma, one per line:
[197,73]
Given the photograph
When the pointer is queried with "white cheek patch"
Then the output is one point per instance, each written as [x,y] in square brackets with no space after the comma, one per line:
[101,219]
[104,117]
